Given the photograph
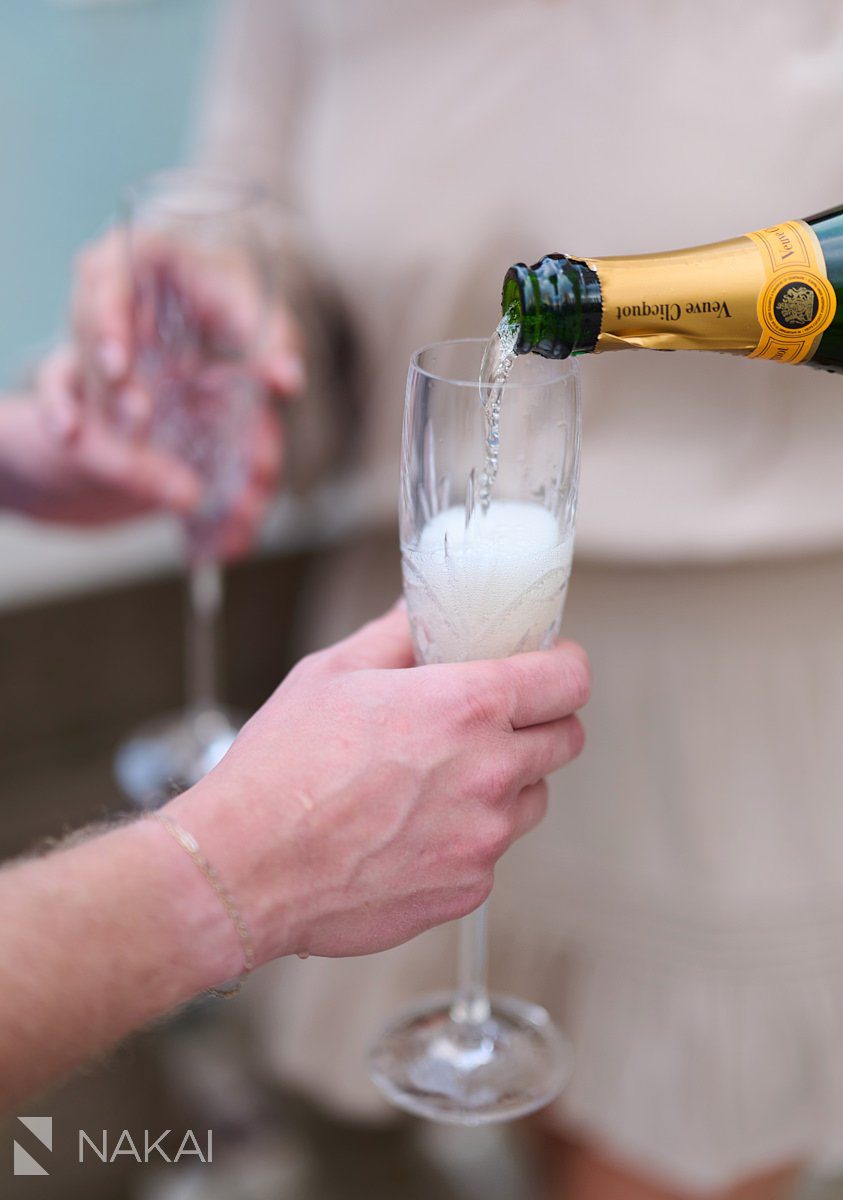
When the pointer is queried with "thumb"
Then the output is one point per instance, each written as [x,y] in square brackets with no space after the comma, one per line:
[384,643]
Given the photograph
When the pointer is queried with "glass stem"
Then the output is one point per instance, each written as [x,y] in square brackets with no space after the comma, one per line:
[471,1003]
[203,613]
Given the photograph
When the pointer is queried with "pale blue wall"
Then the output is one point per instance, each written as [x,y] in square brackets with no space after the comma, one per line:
[91,96]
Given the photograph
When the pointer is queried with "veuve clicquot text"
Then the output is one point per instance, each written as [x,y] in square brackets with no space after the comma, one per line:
[775,293]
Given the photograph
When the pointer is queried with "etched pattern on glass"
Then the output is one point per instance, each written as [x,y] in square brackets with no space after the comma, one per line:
[487,588]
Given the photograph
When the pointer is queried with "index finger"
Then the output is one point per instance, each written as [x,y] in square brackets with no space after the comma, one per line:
[544,685]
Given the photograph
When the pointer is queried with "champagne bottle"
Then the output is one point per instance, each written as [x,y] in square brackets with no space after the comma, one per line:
[776,293]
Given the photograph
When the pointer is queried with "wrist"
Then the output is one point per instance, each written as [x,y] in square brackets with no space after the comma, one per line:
[202,947]
[233,838]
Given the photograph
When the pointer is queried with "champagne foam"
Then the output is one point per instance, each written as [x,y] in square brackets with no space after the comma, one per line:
[488,589]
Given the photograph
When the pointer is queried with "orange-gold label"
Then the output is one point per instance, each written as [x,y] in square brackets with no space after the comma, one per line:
[797,303]
[763,295]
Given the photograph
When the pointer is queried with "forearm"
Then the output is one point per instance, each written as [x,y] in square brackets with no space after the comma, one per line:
[98,939]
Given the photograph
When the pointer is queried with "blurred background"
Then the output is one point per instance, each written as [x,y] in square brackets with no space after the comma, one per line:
[92,96]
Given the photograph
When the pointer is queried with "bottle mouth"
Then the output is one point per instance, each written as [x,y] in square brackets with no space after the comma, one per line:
[556,304]
[517,305]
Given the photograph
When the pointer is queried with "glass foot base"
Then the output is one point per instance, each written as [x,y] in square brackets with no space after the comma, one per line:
[510,1064]
[171,753]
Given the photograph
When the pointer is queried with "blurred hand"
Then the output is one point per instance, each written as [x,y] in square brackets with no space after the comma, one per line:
[94,478]
[216,292]
[86,472]
[366,801]
[187,309]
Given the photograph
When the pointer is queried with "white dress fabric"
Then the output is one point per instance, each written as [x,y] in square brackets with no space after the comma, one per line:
[680,912]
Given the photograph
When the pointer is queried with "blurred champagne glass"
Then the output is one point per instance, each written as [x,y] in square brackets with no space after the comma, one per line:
[201,294]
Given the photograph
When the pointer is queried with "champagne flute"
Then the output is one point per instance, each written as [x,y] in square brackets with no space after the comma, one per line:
[482,581]
[201,291]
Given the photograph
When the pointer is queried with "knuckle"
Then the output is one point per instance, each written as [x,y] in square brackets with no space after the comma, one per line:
[535,805]
[545,754]
[309,666]
[335,661]
[472,708]
[576,741]
[473,894]
[480,703]
[493,781]
[566,744]
[482,890]
[495,837]
[450,908]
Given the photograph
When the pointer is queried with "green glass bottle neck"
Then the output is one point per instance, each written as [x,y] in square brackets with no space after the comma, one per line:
[557,305]
[828,226]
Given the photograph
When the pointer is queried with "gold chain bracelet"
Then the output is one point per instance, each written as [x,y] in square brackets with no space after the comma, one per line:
[190,845]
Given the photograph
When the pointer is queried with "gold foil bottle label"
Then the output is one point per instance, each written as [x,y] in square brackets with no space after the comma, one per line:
[796,303]
[702,298]
[764,295]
